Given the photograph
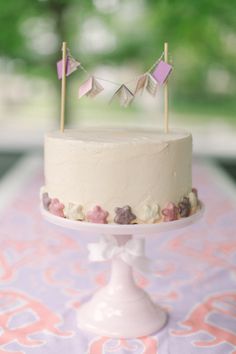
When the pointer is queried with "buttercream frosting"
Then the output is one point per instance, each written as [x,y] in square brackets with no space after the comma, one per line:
[118,167]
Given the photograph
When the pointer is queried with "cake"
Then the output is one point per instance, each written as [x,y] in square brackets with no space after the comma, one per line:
[123,176]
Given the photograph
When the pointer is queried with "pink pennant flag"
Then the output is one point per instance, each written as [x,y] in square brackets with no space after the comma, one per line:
[71,66]
[141,84]
[147,82]
[90,87]
[162,72]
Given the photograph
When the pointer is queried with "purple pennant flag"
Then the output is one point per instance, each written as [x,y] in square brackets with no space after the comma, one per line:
[161,72]
[71,66]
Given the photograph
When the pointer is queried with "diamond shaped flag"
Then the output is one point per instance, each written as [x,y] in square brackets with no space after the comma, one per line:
[151,85]
[124,95]
[162,71]
[90,87]
[71,65]
[141,84]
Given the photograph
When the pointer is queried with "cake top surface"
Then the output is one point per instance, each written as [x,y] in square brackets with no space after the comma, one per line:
[118,135]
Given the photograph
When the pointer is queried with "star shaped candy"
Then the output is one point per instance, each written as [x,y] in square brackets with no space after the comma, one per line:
[150,213]
[170,212]
[193,199]
[194,190]
[124,215]
[57,208]
[46,200]
[97,215]
[74,212]
[184,207]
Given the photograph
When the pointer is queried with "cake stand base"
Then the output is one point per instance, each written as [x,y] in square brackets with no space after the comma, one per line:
[121,309]
[124,319]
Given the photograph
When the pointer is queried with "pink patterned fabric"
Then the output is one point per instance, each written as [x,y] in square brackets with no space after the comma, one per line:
[45,276]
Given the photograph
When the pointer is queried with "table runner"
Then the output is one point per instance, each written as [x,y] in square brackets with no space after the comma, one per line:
[45,276]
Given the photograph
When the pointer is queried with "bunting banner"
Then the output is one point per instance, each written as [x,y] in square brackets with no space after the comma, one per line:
[71,66]
[124,95]
[156,76]
[151,85]
[161,72]
[141,84]
[90,88]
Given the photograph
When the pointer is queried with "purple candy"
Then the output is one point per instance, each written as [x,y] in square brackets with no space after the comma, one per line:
[46,200]
[124,215]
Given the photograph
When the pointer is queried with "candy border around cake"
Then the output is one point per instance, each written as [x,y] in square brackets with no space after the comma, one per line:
[187,206]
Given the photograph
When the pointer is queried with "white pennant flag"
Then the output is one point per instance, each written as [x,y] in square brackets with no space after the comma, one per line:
[151,85]
[124,95]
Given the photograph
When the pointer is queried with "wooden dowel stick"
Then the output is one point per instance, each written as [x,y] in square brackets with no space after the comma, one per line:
[166,113]
[63,86]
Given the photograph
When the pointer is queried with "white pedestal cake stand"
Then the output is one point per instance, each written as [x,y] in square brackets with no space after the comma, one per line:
[121,309]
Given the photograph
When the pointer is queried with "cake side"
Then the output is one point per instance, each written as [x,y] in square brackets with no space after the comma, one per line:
[114,168]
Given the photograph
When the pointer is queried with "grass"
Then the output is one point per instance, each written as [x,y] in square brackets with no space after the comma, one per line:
[7,160]
[210,109]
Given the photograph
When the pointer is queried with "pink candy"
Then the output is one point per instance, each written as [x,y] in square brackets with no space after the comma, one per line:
[194,190]
[56,208]
[97,215]
[170,212]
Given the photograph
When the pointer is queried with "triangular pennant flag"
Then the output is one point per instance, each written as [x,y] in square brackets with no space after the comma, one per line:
[151,85]
[124,95]
[96,88]
[162,72]
[71,65]
[90,87]
[141,84]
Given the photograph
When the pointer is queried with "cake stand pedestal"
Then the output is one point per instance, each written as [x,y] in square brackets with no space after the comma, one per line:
[121,309]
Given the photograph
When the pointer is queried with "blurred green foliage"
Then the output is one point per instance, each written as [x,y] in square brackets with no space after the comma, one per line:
[201,36]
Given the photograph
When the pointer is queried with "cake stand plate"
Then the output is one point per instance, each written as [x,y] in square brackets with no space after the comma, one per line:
[121,309]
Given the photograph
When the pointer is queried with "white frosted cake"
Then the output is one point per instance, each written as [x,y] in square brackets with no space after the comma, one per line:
[119,175]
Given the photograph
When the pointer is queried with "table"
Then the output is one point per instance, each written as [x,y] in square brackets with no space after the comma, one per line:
[45,275]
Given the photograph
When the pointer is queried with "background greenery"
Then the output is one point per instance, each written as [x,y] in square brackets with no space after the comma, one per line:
[201,36]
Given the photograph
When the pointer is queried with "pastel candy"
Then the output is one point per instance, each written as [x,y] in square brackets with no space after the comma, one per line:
[170,212]
[150,213]
[97,215]
[56,208]
[124,215]
[46,200]
[74,212]
[184,207]
[192,196]
[194,190]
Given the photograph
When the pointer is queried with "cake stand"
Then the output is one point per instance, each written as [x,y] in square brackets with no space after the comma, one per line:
[121,309]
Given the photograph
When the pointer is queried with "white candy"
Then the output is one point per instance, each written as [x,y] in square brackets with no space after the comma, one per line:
[150,213]
[193,201]
[42,191]
[74,212]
